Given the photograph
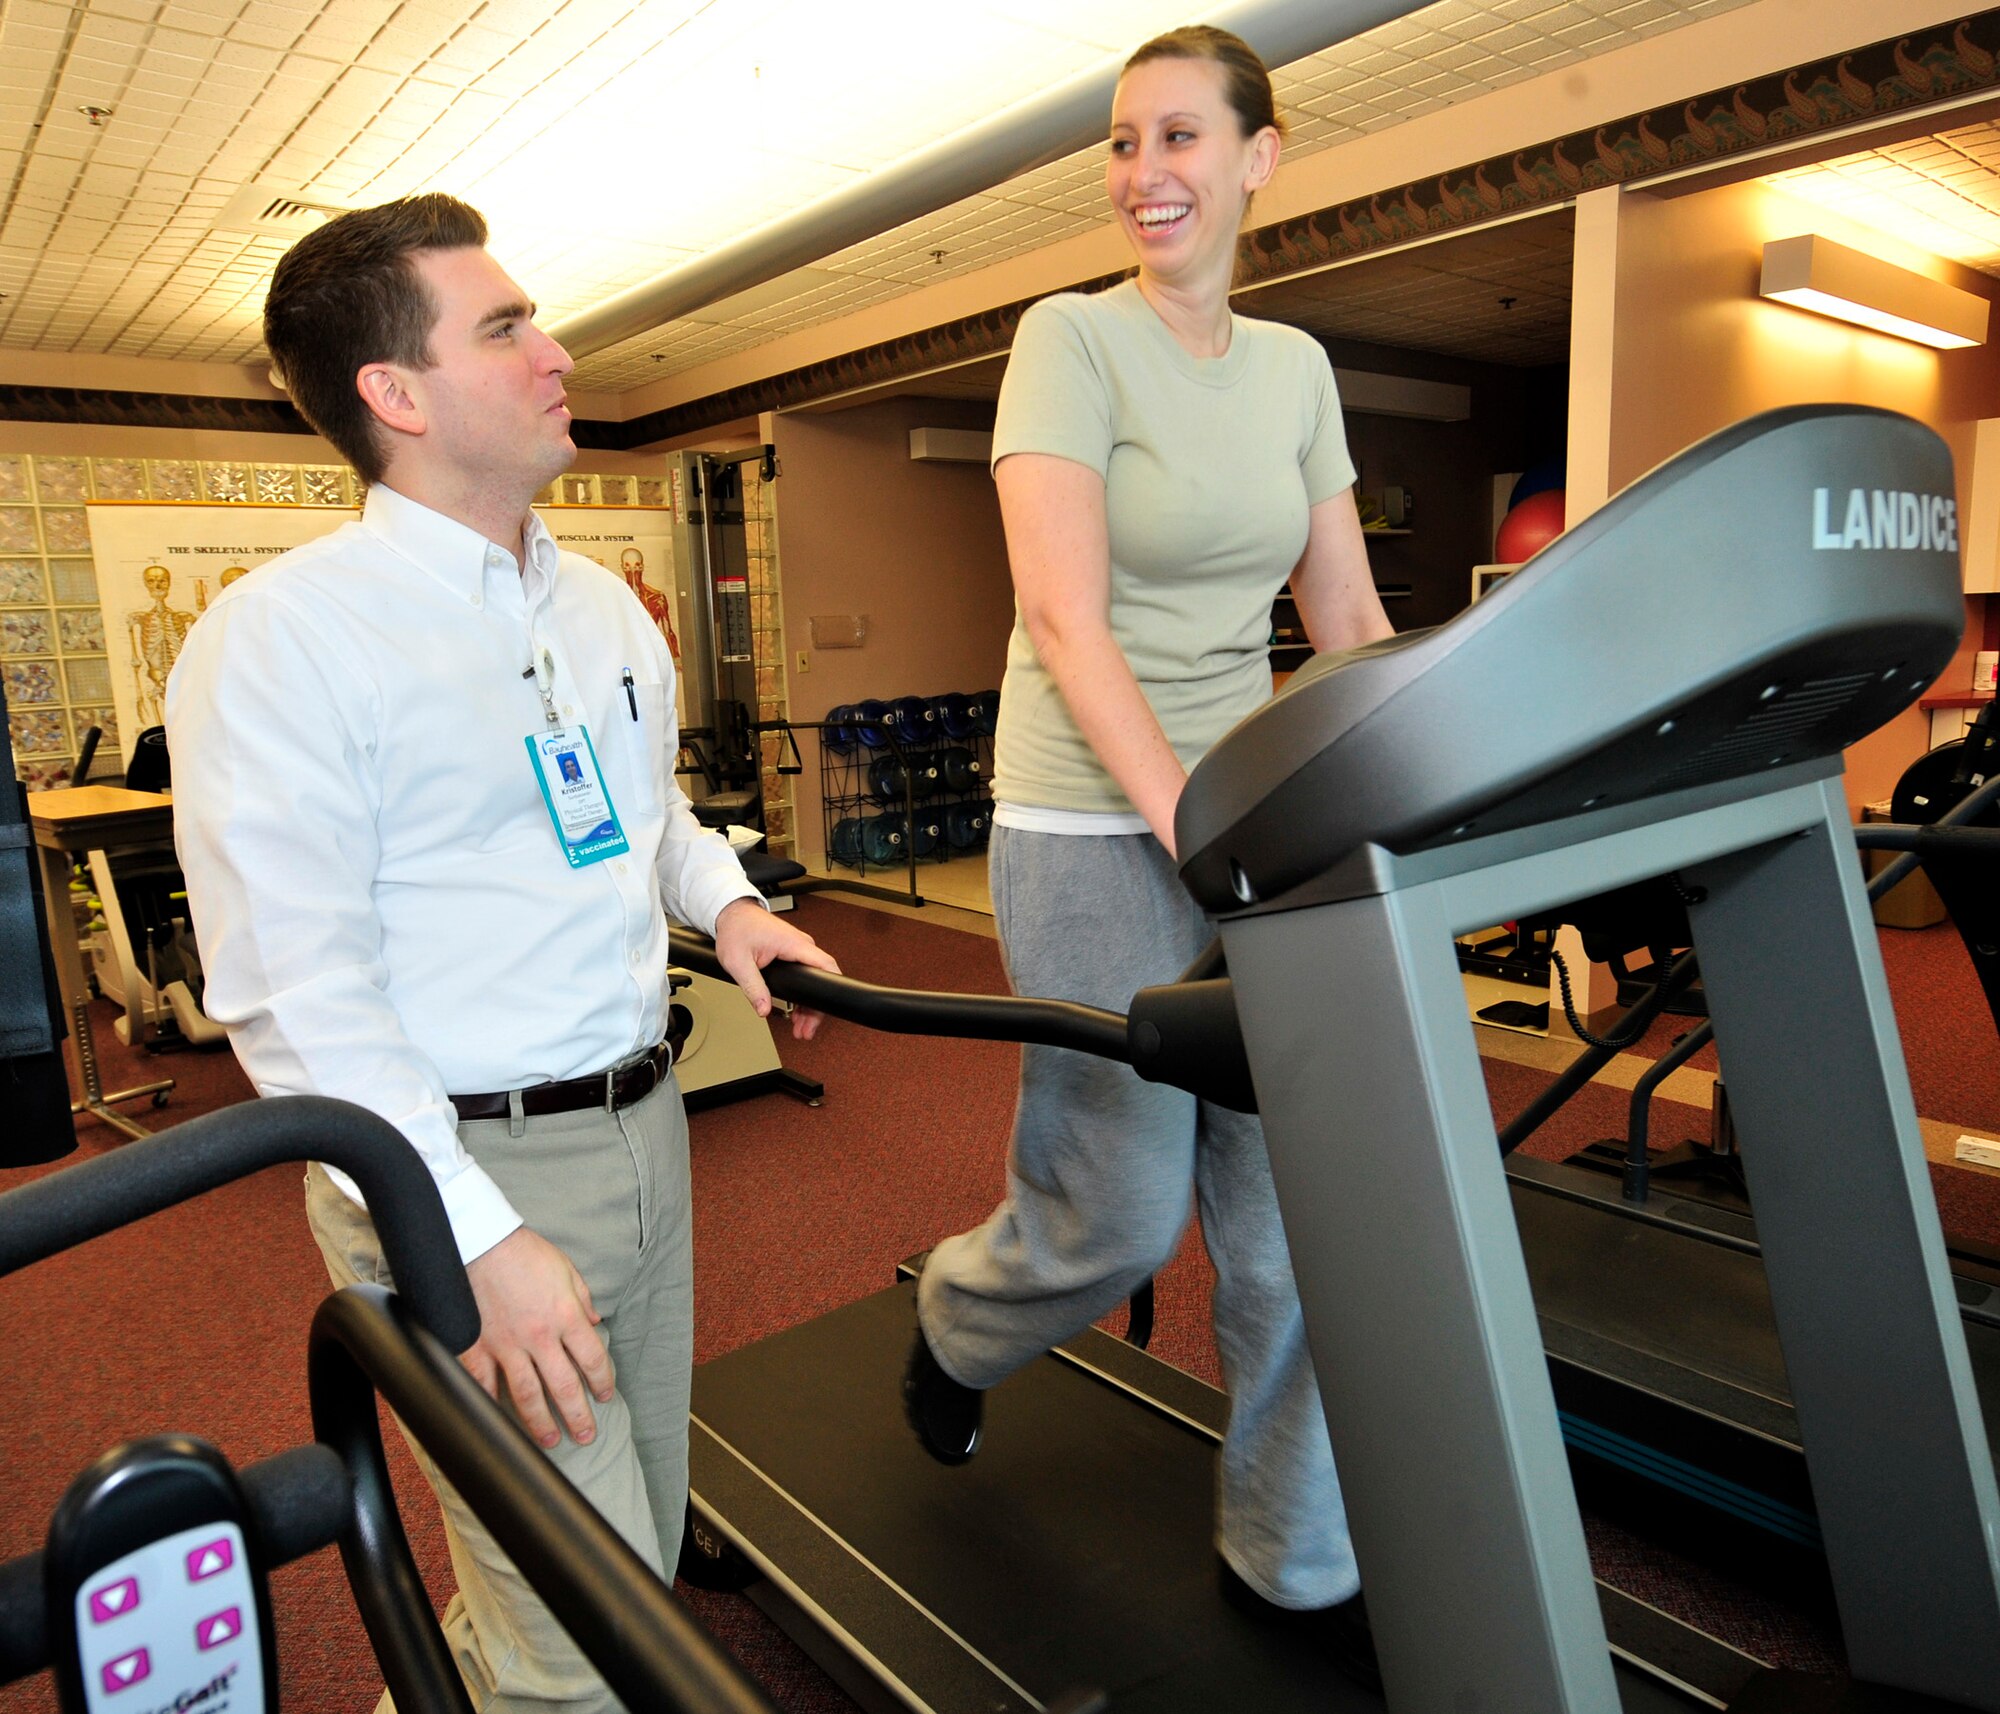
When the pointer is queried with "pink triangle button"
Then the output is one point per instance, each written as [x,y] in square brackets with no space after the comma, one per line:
[126,1671]
[210,1558]
[219,1628]
[114,1599]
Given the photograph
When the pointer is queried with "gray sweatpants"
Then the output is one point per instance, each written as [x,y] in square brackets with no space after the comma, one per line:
[1097,1198]
[611,1191]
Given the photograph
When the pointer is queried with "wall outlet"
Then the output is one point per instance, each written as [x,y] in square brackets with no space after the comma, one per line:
[1981,1151]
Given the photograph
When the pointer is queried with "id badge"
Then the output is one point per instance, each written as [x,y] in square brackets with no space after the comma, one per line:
[573,787]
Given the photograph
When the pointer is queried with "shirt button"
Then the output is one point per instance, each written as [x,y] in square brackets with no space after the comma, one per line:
[620,867]
[567,709]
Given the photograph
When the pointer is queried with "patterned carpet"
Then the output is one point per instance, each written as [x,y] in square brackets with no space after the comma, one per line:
[197,1319]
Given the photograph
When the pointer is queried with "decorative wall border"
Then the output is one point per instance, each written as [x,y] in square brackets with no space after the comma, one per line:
[148,410]
[1943,62]
[1875,82]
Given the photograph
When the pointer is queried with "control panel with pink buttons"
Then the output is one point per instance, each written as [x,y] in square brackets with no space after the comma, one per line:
[152,1575]
[172,1625]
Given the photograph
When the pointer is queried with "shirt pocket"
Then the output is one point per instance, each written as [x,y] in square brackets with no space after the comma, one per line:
[648,765]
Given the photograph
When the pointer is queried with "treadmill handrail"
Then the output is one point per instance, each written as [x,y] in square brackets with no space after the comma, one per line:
[1927,837]
[1183,1034]
[1948,834]
[298,1503]
[364,1340]
[646,1646]
[86,1201]
[924,1012]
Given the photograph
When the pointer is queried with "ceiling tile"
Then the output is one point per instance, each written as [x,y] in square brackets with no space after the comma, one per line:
[541,110]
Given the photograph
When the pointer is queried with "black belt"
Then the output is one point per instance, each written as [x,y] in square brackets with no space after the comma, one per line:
[612,1090]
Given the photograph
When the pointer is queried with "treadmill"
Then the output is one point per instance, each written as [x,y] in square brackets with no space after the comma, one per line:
[1326,832]
[1669,1380]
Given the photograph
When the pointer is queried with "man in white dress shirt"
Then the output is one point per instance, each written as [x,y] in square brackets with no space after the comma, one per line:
[425,800]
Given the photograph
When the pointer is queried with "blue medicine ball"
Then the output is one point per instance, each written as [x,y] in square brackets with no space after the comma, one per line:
[1538,478]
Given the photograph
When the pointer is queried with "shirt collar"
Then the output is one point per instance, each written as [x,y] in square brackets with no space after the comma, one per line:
[543,555]
[457,555]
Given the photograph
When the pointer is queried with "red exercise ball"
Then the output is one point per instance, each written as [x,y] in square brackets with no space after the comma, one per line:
[1529,527]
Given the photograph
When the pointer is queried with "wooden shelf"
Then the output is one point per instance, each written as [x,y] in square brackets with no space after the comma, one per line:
[1384,591]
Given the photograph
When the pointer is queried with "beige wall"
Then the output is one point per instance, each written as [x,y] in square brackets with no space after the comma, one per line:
[105,440]
[1670,342]
[917,548]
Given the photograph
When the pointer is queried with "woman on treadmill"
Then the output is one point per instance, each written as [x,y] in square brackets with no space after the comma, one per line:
[1165,467]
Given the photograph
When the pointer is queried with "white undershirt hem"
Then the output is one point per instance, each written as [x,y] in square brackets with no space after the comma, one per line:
[1040,818]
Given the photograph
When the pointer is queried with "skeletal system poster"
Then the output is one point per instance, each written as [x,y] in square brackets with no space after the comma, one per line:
[158,568]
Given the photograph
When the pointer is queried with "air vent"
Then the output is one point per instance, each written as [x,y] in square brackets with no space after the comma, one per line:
[1768,735]
[266,210]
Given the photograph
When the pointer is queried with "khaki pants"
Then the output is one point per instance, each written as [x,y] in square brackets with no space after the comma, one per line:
[611,1190]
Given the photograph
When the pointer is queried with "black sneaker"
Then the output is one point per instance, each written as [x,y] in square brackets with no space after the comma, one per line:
[1339,1632]
[944,1414]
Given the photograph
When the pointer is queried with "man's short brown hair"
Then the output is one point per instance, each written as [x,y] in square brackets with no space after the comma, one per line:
[347,295]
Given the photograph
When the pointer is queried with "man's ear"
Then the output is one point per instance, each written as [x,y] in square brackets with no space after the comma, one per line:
[385,390]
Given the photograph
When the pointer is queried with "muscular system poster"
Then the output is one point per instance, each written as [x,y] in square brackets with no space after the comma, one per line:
[637,543]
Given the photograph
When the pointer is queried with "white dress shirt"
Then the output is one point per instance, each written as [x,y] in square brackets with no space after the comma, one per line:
[382,904]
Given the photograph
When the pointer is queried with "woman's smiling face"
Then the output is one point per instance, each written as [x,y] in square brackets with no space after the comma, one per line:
[1181,170]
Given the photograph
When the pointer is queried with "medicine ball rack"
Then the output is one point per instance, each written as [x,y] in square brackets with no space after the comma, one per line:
[934,755]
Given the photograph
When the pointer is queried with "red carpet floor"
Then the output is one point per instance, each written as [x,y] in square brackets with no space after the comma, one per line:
[197,1319]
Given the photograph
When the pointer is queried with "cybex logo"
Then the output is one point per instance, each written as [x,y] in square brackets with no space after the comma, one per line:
[1886,518]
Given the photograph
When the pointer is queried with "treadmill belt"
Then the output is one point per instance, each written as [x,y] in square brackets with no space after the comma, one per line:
[1667,1313]
[1075,1550]
[1702,1309]
[1028,1554]
[1670,1383]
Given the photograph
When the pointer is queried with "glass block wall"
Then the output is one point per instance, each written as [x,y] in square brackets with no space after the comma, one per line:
[52,645]
[584,488]
[760,536]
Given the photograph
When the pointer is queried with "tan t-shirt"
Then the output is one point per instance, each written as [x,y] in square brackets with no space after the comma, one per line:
[1210,467]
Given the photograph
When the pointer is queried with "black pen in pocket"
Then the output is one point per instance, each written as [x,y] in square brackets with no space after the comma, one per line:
[631,695]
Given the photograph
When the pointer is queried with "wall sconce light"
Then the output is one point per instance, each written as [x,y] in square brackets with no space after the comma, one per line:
[1814,273]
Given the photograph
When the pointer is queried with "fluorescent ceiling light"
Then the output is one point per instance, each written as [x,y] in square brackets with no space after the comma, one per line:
[1937,194]
[745,111]
[1814,273]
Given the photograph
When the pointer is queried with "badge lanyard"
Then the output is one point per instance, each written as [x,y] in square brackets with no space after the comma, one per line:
[573,788]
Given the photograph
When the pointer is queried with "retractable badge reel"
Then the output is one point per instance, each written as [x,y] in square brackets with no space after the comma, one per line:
[157,1595]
